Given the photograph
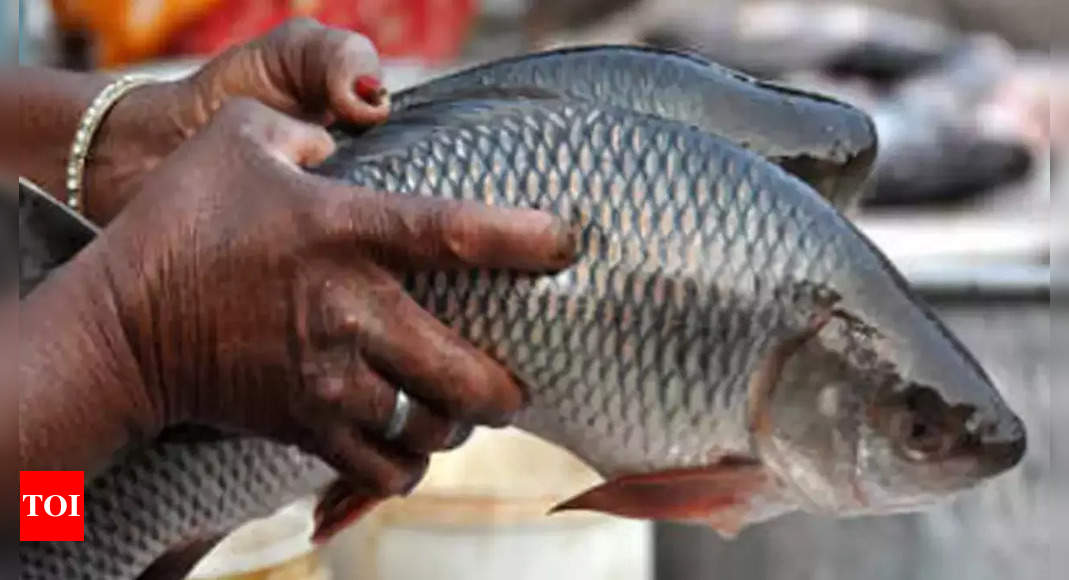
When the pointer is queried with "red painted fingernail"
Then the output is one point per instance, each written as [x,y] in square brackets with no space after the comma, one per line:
[370,89]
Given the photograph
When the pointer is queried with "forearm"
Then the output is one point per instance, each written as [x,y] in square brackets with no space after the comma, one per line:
[45,106]
[9,336]
[79,402]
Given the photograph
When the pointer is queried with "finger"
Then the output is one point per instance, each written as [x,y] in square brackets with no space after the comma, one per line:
[371,466]
[418,232]
[339,506]
[282,136]
[302,143]
[327,64]
[407,346]
[364,398]
[354,83]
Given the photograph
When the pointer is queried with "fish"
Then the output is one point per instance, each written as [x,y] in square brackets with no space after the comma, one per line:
[932,92]
[826,142]
[951,132]
[773,38]
[727,348]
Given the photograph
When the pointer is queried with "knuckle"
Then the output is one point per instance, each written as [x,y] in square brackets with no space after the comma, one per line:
[324,218]
[330,389]
[459,232]
[356,218]
[242,119]
[280,129]
[317,133]
[287,42]
[457,236]
[297,26]
[240,108]
[337,42]
[354,44]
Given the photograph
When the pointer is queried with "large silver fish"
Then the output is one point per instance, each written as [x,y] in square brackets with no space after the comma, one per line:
[728,347]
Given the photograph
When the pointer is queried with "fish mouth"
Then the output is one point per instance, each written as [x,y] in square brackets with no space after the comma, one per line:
[993,448]
[1003,450]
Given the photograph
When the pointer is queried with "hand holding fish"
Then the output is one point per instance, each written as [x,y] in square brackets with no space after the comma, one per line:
[301,68]
[238,291]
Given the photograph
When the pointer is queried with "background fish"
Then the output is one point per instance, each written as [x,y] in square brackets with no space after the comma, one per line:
[728,348]
[935,90]
[942,137]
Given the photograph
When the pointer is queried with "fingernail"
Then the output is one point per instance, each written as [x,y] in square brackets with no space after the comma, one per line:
[508,419]
[525,391]
[460,434]
[370,89]
[412,485]
[567,235]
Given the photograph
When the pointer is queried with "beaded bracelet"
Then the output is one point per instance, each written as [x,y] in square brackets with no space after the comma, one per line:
[87,128]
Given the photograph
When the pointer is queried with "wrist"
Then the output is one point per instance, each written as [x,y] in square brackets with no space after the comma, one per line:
[142,311]
[140,130]
[83,398]
[95,295]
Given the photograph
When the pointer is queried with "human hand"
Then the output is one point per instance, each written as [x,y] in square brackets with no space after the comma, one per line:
[261,298]
[301,68]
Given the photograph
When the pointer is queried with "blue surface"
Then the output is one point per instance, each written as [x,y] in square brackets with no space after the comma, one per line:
[6,30]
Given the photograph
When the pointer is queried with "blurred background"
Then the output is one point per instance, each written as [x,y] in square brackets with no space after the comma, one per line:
[971,101]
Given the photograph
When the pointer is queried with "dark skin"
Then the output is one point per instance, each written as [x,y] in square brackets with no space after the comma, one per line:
[235,289]
[238,290]
[302,69]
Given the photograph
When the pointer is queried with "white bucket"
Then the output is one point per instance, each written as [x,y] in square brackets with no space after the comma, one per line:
[278,547]
[480,514]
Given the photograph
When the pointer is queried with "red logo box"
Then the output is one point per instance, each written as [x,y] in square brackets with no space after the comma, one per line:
[51,506]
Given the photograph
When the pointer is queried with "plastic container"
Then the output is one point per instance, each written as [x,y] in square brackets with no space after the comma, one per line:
[481,515]
[278,547]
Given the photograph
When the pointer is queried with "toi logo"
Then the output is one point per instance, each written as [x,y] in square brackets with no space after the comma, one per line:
[51,506]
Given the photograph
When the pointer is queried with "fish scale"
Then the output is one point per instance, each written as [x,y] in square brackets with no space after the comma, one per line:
[161,495]
[662,238]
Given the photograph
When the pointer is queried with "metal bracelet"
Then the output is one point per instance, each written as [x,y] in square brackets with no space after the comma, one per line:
[87,128]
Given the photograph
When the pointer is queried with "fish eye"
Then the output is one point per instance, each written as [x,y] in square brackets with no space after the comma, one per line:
[924,439]
[922,427]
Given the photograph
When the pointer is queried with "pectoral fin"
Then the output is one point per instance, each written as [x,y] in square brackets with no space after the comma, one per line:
[718,495]
[340,506]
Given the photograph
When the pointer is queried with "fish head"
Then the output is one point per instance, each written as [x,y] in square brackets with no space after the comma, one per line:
[880,409]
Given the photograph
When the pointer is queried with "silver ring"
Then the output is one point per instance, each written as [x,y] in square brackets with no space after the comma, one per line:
[399,418]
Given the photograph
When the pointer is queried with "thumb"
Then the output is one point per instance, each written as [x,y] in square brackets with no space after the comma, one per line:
[335,67]
[301,143]
[282,136]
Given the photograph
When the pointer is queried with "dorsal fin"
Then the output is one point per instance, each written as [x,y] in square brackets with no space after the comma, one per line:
[415,123]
